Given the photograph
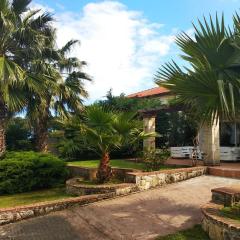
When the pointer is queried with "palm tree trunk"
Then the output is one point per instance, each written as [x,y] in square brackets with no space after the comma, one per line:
[104,171]
[3,120]
[2,138]
[41,129]
[41,136]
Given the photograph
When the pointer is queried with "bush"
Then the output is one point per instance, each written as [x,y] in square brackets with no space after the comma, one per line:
[26,171]
[155,159]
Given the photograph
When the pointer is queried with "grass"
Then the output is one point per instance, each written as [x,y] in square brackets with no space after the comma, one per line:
[20,199]
[231,212]
[195,233]
[95,183]
[114,163]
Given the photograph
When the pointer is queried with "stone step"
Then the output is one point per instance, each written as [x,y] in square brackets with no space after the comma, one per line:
[224,172]
[226,195]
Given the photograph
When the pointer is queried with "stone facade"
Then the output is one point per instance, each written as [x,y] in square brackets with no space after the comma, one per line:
[218,227]
[147,180]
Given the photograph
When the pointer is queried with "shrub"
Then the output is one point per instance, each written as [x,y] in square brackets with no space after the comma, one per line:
[154,159]
[26,171]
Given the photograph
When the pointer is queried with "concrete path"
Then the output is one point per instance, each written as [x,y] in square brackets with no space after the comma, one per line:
[139,216]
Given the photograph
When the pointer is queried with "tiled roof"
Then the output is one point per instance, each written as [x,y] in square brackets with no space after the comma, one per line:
[150,92]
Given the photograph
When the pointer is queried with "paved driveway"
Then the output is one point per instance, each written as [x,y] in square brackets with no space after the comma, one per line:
[140,216]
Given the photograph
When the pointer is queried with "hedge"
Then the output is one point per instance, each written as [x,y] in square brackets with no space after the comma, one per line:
[26,171]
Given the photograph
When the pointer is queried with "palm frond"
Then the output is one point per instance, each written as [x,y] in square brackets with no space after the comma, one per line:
[20,6]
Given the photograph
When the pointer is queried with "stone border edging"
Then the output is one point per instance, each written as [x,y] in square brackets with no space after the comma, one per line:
[169,171]
[11,215]
[147,180]
[75,187]
[219,227]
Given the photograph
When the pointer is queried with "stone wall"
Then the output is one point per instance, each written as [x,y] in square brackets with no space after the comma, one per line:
[218,227]
[11,215]
[74,186]
[147,180]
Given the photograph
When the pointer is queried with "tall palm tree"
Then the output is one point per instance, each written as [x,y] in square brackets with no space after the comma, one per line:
[21,36]
[209,86]
[63,94]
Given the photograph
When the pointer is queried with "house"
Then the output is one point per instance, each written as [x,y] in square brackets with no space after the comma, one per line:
[211,137]
[163,94]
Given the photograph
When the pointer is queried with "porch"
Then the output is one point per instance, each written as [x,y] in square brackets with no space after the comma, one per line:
[214,143]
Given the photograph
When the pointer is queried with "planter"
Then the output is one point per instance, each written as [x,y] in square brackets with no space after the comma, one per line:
[76,187]
[217,226]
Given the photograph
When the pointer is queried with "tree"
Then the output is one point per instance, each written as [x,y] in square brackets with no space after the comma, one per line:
[105,130]
[21,36]
[18,135]
[63,92]
[210,86]
[122,103]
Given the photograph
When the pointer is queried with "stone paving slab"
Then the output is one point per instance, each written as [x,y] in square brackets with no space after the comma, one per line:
[139,216]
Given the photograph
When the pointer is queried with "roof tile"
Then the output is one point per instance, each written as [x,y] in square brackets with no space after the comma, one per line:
[150,92]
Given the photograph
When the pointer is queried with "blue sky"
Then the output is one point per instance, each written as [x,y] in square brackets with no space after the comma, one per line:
[125,41]
[174,13]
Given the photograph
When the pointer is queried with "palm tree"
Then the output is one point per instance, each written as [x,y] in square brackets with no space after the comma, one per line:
[209,87]
[105,130]
[21,36]
[64,90]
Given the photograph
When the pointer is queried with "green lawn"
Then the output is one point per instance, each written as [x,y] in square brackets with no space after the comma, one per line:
[114,163]
[195,233]
[14,200]
[119,163]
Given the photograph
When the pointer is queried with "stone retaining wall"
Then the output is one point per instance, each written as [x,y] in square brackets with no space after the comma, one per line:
[218,227]
[11,215]
[74,186]
[147,180]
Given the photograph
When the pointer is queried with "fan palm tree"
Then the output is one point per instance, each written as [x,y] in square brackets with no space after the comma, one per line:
[210,86]
[105,130]
[21,36]
[63,94]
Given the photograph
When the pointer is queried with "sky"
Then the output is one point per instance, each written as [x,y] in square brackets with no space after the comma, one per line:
[125,42]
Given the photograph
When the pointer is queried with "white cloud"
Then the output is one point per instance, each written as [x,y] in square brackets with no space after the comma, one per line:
[122,48]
